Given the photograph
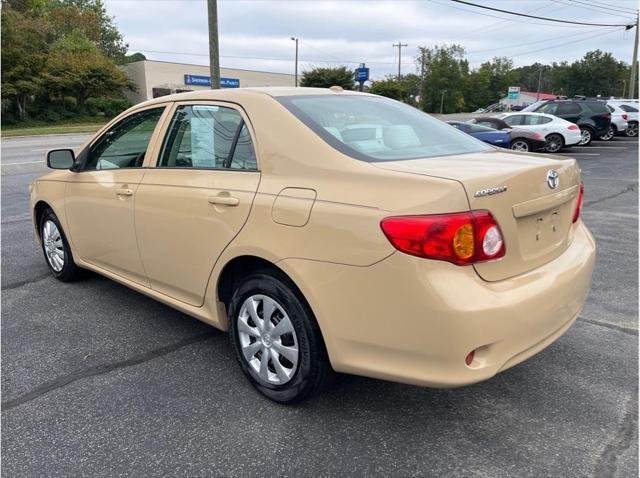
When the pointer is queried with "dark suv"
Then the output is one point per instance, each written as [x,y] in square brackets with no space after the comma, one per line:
[592,116]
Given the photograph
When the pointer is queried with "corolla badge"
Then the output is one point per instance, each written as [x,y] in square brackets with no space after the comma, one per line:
[490,191]
[553,179]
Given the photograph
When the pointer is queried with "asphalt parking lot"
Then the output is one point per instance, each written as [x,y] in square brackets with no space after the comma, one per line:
[100,380]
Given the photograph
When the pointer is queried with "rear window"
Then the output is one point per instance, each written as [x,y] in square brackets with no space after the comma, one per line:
[372,129]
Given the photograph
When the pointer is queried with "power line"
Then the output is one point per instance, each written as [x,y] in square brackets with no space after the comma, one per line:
[628,26]
[617,8]
[586,6]
[539,41]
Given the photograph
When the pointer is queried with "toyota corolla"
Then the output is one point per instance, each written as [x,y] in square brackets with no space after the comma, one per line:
[326,230]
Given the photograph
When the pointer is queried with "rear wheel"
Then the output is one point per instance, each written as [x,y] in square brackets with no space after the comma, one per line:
[520,144]
[608,136]
[277,340]
[632,129]
[555,142]
[56,249]
[587,136]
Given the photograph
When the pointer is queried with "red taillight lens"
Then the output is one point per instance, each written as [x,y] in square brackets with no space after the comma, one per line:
[573,127]
[625,117]
[576,214]
[461,238]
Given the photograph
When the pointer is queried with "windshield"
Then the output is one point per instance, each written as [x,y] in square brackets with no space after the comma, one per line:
[371,128]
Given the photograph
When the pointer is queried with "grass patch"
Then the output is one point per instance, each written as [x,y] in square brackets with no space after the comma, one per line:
[32,129]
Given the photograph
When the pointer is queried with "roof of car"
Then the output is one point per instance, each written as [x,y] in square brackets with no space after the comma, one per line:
[237,94]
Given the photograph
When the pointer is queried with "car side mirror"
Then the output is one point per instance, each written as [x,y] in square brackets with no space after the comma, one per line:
[61,159]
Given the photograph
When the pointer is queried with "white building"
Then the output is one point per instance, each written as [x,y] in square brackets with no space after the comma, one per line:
[159,78]
[526,98]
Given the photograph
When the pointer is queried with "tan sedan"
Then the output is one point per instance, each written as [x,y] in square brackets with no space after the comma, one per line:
[327,230]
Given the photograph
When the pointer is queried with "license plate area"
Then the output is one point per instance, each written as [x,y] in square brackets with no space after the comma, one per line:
[543,232]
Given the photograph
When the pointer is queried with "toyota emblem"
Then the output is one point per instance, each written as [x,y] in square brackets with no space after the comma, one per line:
[553,179]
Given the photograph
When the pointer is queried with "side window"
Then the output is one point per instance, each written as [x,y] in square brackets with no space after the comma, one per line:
[629,109]
[533,120]
[125,144]
[568,109]
[207,136]
[514,120]
[549,108]
[544,120]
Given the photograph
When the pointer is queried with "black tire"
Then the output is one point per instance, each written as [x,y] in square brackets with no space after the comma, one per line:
[69,270]
[632,129]
[608,136]
[313,369]
[555,142]
[587,136]
[520,144]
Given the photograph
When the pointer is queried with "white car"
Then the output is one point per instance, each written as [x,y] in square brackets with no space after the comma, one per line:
[619,123]
[631,108]
[557,132]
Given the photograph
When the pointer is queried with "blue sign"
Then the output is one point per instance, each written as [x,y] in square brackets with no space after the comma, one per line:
[201,80]
[362,74]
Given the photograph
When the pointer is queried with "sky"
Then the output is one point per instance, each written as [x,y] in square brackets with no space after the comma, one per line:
[256,34]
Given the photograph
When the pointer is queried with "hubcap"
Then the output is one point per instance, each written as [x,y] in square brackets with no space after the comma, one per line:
[632,130]
[268,340]
[520,146]
[553,144]
[608,135]
[586,136]
[52,243]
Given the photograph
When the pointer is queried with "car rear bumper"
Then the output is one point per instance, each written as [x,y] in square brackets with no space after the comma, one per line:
[412,320]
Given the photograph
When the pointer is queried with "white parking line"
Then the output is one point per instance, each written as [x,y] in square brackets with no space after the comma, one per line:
[604,147]
[582,154]
[23,162]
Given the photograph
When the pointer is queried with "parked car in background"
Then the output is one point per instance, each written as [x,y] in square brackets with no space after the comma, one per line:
[592,116]
[484,133]
[558,133]
[619,123]
[519,139]
[631,108]
[428,258]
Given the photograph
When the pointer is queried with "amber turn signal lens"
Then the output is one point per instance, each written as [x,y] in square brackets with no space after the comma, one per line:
[463,241]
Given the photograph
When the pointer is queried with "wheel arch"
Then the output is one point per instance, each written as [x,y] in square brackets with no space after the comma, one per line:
[38,210]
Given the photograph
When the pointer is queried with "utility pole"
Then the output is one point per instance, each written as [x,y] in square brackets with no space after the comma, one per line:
[624,88]
[539,83]
[214,51]
[634,63]
[442,100]
[399,45]
[296,73]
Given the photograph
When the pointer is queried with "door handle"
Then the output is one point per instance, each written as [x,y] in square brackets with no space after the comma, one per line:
[224,200]
[124,192]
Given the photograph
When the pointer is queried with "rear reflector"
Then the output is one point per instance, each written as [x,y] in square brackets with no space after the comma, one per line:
[576,214]
[469,358]
[573,127]
[460,238]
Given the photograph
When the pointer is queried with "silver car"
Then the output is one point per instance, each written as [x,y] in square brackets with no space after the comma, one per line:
[619,123]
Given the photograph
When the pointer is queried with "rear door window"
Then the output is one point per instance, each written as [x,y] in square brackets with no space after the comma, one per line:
[515,120]
[568,109]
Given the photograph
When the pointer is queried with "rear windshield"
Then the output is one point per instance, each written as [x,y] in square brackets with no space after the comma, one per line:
[372,129]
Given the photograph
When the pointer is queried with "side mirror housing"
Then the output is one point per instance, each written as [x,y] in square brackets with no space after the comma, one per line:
[61,159]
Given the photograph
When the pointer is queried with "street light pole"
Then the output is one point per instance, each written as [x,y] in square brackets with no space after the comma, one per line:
[624,88]
[296,70]
[399,45]
[539,83]
[442,100]
[214,52]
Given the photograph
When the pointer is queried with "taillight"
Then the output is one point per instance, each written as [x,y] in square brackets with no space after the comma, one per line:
[576,213]
[573,127]
[460,238]
[625,117]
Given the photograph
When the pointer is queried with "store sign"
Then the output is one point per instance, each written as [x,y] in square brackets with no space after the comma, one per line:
[514,92]
[201,80]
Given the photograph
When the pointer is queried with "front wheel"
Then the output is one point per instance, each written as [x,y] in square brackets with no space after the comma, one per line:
[56,248]
[632,129]
[586,136]
[555,142]
[608,136]
[520,144]
[276,339]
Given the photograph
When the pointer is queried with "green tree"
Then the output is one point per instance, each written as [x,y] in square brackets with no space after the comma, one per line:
[76,67]
[405,89]
[326,77]
[24,45]
[444,73]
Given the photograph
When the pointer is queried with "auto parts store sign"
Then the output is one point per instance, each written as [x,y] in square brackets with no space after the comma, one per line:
[514,92]
[201,80]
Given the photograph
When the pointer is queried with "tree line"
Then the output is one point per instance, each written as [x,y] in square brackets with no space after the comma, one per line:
[60,60]
[444,80]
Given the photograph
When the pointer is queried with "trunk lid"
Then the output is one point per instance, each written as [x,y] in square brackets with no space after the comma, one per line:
[535,219]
